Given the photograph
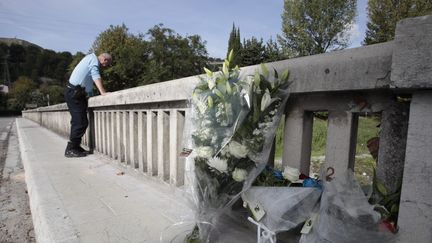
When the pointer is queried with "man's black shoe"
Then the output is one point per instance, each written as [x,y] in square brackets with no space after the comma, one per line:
[73,153]
[80,149]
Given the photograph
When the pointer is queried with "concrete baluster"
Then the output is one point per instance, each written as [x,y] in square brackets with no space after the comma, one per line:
[177,164]
[133,139]
[104,133]
[152,155]
[119,144]
[163,137]
[125,138]
[142,141]
[112,135]
[298,139]
[341,140]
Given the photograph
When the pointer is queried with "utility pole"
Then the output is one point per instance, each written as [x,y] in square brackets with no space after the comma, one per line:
[6,74]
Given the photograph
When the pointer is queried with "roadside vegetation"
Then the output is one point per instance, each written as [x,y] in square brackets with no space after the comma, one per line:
[368,128]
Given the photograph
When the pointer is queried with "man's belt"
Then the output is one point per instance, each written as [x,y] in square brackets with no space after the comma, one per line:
[71,86]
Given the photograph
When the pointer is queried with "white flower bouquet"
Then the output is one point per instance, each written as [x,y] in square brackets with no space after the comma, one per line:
[234,124]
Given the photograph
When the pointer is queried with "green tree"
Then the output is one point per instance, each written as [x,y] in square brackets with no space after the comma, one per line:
[234,44]
[3,101]
[129,54]
[172,56]
[52,94]
[16,56]
[316,26]
[384,14]
[272,52]
[252,52]
[21,90]
[163,56]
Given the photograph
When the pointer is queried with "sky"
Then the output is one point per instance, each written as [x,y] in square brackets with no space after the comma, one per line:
[73,25]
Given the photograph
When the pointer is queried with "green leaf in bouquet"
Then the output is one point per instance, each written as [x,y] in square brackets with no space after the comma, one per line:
[211,83]
[285,76]
[210,101]
[275,73]
[231,55]
[208,72]
[256,110]
[381,188]
[266,100]
[203,85]
[257,79]
[225,67]
[219,94]
[228,88]
[222,88]
[265,70]
[394,209]
[220,81]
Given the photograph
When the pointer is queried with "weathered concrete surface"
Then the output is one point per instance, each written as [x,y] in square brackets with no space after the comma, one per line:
[412,55]
[88,200]
[415,213]
[392,144]
[15,218]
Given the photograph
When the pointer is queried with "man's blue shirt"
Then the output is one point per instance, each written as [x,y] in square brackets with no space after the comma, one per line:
[86,72]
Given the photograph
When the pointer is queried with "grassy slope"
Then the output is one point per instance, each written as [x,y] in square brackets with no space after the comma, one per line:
[366,130]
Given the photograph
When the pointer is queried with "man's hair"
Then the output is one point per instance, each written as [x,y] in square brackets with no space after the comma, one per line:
[106,55]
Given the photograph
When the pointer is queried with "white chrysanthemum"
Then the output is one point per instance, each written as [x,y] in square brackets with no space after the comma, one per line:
[219,164]
[205,152]
[239,174]
[291,174]
[237,150]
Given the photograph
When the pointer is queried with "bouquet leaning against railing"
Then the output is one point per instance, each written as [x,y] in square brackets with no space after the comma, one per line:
[234,120]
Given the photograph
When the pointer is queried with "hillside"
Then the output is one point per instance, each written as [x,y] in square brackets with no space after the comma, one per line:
[10,41]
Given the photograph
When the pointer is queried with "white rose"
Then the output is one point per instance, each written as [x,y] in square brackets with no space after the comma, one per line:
[218,164]
[239,174]
[291,174]
[237,150]
[204,151]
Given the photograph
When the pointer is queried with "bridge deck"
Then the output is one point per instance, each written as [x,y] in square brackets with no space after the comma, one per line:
[90,199]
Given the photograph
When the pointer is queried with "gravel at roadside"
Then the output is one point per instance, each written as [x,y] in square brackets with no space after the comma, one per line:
[16,224]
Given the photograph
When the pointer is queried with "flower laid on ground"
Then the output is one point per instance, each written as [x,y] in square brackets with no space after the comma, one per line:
[292,174]
[234,121]
[271,177]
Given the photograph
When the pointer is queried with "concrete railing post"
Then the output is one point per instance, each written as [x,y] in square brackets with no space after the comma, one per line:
[415,210]
[412,70]
[341,140]
[298,139]
[91,130]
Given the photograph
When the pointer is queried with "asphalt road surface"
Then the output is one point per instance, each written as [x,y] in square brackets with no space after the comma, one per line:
[16,224]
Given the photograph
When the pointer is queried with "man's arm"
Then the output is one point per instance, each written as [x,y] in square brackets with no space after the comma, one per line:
[100,86]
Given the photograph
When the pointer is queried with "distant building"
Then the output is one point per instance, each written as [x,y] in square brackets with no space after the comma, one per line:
[4,89]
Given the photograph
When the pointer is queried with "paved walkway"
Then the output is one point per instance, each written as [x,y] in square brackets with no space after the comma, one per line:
[89,199]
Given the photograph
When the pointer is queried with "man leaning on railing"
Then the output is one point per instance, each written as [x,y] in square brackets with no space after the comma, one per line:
[80,85]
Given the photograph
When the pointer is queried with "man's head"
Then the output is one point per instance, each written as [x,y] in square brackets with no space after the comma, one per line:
[105,59]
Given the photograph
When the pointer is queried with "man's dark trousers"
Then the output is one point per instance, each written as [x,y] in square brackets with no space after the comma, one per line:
[77,103]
